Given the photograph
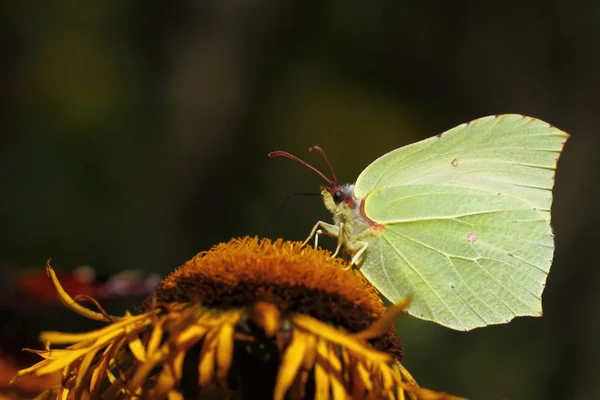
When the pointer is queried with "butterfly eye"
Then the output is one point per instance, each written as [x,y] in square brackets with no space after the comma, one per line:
[338,196]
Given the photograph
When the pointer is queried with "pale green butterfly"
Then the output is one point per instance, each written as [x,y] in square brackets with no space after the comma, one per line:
[460,222]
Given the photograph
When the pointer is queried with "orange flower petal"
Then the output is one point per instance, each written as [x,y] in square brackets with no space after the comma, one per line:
[335,374]
[321,376]
[267,316]
[72,304]
[290,363]
[99,371]
[116,328]
[379,327]
[333,335]
[361,381]
[224,353]
[143,370]
[310,355]
[206,367]
[167,378]
[86,362]
[155,338]
[174,395]
[190,334]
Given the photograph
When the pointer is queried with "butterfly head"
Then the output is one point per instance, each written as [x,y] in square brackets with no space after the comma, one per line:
[338,198]
[335,196]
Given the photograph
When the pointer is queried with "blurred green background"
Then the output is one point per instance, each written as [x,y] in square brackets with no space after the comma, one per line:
[134,134]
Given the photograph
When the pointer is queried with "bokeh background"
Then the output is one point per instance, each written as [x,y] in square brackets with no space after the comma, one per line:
[134,134]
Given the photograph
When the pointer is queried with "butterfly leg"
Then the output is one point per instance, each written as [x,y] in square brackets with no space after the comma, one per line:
[340,229]
[359,252]
[325,228]
[319,232]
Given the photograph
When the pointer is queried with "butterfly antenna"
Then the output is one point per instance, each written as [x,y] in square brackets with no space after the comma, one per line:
[307,165]
[320,150]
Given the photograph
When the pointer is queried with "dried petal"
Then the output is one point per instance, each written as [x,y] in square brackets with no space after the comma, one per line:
[72,304]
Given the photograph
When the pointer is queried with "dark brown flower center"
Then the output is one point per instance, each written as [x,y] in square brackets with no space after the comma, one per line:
[241,273]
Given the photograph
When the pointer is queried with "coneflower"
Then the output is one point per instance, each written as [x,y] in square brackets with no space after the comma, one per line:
[249,319]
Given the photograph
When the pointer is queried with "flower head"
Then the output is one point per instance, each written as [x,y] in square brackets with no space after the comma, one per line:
[250,318]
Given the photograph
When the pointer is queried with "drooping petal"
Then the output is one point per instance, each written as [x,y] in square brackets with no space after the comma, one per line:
[379,327]
[290,363]
[224,353]
[335,374]
[321,375]
[335,336]
[206,367]
[72,304]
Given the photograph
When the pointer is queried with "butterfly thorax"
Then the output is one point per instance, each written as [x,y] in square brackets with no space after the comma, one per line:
[347,215]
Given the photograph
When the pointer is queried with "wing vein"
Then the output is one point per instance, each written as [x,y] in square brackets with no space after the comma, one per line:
[412,267]
[476,261]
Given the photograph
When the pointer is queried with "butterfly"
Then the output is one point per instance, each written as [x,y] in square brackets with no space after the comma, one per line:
[459,222]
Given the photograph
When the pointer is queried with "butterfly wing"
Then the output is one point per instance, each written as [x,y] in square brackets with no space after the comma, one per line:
[466,221]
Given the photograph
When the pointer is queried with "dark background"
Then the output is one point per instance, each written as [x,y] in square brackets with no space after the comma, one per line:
[134,134]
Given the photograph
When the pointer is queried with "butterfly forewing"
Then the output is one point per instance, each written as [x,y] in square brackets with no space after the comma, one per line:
[466,219]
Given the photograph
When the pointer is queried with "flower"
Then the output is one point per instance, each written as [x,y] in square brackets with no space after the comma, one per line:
[250,318]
